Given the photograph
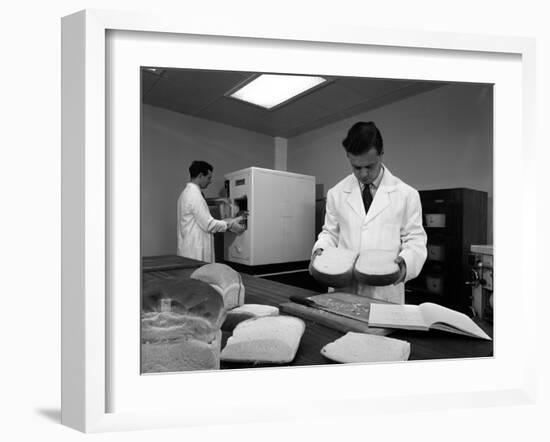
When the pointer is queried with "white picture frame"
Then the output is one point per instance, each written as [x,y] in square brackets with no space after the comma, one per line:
[90,318]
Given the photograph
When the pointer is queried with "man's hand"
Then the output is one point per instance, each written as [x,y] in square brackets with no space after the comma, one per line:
[236,225]
[316,253]
[402,269]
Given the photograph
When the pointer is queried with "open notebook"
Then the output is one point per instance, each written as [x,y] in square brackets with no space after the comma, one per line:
[424,317]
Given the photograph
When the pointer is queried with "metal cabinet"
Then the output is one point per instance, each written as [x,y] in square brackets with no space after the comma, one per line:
[454,219]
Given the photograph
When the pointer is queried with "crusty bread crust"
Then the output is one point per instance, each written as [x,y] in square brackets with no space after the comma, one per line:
[225,280]
[334,267]
[376,268]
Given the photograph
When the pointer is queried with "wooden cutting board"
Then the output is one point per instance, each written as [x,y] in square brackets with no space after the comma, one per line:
[337,304]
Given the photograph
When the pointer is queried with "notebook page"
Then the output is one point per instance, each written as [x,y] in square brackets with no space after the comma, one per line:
[434,313]
[400,316]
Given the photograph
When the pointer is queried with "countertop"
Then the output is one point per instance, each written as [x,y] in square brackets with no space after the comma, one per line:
[424,345]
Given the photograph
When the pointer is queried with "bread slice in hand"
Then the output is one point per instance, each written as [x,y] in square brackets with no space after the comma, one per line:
[363,347]
[334,267]
[264,340]
[376,268]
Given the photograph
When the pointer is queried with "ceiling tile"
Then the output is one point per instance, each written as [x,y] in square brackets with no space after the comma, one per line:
[201,93]
[239,114]
[189,91]
[148,80]
[372,87]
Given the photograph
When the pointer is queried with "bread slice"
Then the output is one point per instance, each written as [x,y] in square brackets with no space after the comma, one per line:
[247,311]
[334,267]
[225,280]
[376,268]
[269,339]
[363,347]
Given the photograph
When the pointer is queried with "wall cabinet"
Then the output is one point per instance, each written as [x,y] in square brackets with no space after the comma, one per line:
[454,219]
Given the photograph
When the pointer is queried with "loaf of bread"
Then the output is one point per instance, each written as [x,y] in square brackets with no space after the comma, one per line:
[225,280]
[188,297]
[363,347]
[376,268]
[247,311]
[180,327]
[180,355]
[265,340]
[334,267]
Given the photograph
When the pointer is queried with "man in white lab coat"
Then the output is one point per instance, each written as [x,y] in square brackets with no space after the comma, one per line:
[373,209]
[196,225]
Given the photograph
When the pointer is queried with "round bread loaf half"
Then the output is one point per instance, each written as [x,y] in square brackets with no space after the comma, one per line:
[334,266]
[376,268]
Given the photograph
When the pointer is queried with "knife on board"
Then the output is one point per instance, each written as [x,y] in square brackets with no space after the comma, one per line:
[308,302]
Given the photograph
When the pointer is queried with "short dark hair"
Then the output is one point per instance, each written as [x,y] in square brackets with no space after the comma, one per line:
[363,136]
[198,167]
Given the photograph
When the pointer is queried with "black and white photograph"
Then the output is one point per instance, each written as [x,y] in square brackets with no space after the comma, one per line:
[183,261]
[299,220]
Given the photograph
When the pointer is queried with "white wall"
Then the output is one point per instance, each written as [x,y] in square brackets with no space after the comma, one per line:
[438,139]
[169,143]
[281,151]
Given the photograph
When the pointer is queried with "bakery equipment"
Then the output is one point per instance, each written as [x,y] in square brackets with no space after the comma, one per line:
[281,216]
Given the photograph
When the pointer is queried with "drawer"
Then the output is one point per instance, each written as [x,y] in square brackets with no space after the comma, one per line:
[434,284]
[436,252]
[437,220]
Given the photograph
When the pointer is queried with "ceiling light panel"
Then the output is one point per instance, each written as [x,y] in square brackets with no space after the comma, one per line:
[268,91]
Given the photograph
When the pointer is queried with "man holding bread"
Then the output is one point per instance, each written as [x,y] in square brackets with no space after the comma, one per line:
[196,225]
[375,219]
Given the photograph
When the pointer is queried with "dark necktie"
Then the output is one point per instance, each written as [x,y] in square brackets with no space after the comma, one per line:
[367,197]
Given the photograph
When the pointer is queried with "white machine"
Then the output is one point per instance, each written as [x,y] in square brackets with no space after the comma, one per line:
[281,216]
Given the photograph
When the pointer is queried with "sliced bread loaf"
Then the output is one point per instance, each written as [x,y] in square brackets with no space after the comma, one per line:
[180,327]
[187,297]
[269,339]
[180,355]
[376,268]
[225,280]
[363,347]
[334,267]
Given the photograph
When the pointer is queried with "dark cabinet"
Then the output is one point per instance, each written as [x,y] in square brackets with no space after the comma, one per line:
[454,219]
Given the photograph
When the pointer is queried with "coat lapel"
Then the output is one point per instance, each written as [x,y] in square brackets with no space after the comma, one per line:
[382,199]
[354,199]
[379,203]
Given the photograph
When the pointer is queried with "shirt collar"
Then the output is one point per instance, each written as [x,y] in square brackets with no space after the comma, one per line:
[376,183]
[378,179]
